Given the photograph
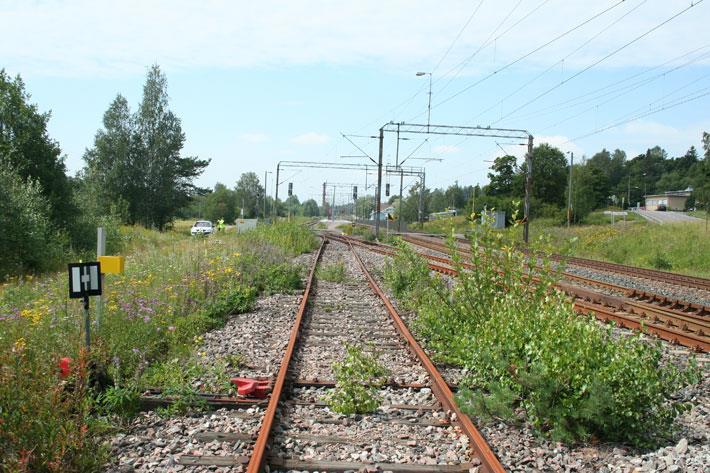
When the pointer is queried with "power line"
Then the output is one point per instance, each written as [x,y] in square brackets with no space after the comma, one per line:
[623,91]
[561,61]
[696,95]
[526,55]
[461,65]
[595,63]
[478,7]
[569,103]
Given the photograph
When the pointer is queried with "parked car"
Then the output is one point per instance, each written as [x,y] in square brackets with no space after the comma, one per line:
[662,207]
[202,227]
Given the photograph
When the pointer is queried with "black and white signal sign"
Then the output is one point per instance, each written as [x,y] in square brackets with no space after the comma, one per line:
[84,280]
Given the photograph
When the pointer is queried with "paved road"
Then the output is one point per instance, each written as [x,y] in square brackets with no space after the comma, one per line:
[655,216]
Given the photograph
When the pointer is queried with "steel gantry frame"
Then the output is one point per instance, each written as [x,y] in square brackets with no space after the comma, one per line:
[317,165]
[402,171]
[455,130]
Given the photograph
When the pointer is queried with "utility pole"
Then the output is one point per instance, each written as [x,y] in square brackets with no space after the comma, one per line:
[528,189]
[628,192]
[401,183]
[421,202]
[276,195]
[378,194]
[569,193]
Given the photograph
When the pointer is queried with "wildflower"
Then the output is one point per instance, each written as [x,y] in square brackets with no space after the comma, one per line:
[20,345]
[171,328]
[146,319]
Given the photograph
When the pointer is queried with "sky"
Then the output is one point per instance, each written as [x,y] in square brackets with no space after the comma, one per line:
[257,83]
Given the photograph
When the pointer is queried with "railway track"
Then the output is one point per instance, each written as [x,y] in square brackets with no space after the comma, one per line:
[673,321]
[417,428]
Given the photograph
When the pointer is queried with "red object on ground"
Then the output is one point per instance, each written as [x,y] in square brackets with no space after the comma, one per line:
[64,367]
[252,387]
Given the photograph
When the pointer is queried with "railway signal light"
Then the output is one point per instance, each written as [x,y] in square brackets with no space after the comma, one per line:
[290,189]
[354,192]
[387,190]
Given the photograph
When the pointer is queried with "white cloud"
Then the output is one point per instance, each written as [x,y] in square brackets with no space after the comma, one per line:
[254,137]
[310,138]
[99,37]
[446,149]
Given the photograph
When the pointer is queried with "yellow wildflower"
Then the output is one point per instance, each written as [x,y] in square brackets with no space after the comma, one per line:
[20,345]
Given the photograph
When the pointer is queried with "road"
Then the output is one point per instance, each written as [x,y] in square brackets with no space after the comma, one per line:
[655,216]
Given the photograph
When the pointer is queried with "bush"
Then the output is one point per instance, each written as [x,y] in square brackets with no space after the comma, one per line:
[526,349]
[28,243]
[334,272]
[357,378]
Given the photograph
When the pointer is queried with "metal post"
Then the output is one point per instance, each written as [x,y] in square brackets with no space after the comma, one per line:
[569,194]
[421,201]
[276,193]
[87,323]
[401,183]
[528,188]
[100,251]
[378,194]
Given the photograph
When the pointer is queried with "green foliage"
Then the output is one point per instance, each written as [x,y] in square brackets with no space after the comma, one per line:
[357,378]
[121,401]
[334,272]
[25,146]
[135,162]
[526,349]
[28,242]
[659,261]
[291,238]
[247,192]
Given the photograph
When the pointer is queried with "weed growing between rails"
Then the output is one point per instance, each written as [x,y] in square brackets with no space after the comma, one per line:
[529,354]
[358,377]
[175,288]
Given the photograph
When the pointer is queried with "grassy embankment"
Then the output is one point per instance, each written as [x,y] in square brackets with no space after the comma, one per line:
[682,247]
[175,287]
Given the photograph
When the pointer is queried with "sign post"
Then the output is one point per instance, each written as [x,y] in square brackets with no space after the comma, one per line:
[100,251]
[85,281]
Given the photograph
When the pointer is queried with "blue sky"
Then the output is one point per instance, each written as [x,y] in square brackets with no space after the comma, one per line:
[255,84]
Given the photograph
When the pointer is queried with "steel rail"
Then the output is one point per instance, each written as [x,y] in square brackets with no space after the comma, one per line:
[489,461]
[648,303]
[697,341]
[258,455]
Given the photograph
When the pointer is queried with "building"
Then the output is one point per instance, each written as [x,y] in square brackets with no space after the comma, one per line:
[672,200]
[386,211]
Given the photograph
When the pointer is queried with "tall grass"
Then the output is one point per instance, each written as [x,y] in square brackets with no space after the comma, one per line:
[175,287]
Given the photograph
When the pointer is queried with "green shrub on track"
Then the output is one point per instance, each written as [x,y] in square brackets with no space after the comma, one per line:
[526,349]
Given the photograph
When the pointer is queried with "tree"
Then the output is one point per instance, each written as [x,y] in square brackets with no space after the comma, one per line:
[220,203]
[136,157]
[701,191]
[28,241]
[310,208]
[247,192]
[549,175]
[503,175]
[25,146]
[111,175]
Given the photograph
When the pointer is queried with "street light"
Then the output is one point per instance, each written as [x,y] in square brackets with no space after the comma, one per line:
[428,117]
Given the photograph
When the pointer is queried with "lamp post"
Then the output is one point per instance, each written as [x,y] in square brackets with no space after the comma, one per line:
[428,116]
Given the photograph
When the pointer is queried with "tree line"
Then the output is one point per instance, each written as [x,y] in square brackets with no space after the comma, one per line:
[608,179]
[134,173]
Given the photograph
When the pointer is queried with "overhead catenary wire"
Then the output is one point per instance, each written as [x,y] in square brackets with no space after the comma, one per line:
[622,92]
[458,36]
[696,95]
[599,61]
[461,65]
[561,61]
[528,54]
